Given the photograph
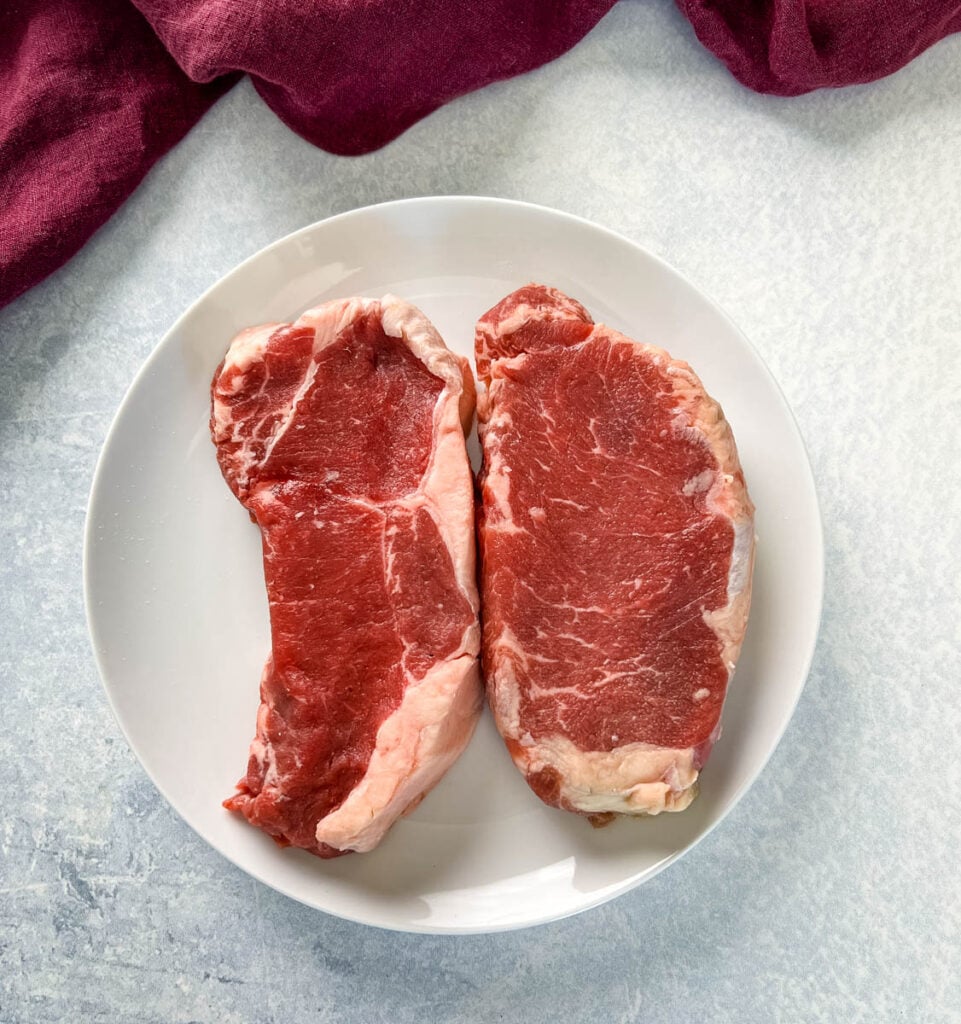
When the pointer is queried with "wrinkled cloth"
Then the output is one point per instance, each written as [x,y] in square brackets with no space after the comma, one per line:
[89,101]
[94,92]
[789,47]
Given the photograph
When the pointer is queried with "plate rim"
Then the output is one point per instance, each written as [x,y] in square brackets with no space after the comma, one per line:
[96,489]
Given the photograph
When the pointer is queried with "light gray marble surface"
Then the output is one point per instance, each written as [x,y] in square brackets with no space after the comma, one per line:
[829,227]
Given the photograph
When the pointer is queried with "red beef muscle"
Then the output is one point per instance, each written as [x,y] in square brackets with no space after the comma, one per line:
[616,551]
[343,435]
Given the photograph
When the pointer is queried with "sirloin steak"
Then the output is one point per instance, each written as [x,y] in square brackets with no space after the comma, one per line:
[617,546]
[343,436]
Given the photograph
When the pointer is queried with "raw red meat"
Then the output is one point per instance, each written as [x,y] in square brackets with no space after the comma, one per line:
[343,435]
[617,546]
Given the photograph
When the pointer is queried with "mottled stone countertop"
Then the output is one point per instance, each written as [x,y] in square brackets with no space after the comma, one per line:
[829,228]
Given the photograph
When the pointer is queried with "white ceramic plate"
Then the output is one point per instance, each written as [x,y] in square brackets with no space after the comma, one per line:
[178,614]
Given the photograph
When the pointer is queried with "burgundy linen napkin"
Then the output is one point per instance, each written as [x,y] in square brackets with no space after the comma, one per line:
[789,47]
[89,100]
[93,92]
[350,75]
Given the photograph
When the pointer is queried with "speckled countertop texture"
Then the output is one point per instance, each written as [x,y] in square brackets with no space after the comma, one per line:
[829,227]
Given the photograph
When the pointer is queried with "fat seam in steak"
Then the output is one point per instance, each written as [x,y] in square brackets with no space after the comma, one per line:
[617,547]
[343,436]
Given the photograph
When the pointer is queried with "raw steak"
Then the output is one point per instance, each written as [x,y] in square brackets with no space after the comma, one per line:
[343,435]
[617,544]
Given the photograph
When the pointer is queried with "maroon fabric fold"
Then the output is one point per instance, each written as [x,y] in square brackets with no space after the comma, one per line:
[789,47]
[89,100]
[93,92]
[350,75]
